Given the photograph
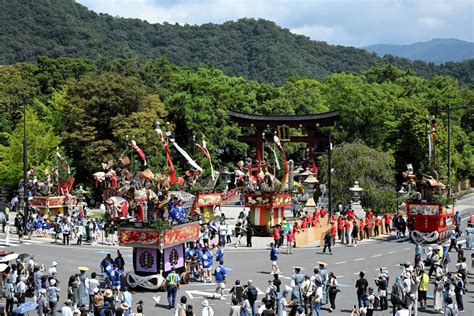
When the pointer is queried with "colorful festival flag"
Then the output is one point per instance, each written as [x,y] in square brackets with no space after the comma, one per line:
[139,151]
[168,155]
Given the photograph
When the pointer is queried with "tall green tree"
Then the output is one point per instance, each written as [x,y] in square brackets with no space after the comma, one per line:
[41,142]
[373,169]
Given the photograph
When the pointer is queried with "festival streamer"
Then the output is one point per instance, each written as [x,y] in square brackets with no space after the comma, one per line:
[168,155]
[206,153]
[183,152]
[280,147]
[284,181]
[139,151]
[277,163]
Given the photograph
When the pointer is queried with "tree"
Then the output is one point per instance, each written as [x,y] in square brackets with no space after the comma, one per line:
[372,168]
[42,144]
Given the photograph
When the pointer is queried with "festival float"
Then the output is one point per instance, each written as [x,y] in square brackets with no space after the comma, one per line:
[53,197]
[426,208]
[157,214]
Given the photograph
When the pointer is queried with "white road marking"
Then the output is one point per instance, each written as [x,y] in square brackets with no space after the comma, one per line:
[408,248]
[339,276]
[394,251]
[378,255]
[359,259]
[340,262]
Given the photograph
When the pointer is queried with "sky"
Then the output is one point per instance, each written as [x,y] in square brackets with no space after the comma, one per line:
[349,22]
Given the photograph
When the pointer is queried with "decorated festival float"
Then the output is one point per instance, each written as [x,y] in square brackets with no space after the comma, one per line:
[427,209]
[53,196]
[157,212]
[264,194]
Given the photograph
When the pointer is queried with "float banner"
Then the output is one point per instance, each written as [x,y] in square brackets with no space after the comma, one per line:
[146,260]
[173,257]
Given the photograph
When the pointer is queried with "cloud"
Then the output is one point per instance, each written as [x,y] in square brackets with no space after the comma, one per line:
[430,22]
[346,22]
[316,32]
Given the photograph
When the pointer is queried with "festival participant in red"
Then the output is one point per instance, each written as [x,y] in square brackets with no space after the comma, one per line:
[350,215]
[333,218]
[315,220]
[361,229]
[323,212]
[276,235]
[340,225]
[388,220]
[296,228]
[333,232]
[347,230]
[367,228]
[369,215]
[377,223]
[316,213]
[308,219]
[304,223]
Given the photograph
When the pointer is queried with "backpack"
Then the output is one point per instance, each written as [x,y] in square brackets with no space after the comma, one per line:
[273,294]
[253,294]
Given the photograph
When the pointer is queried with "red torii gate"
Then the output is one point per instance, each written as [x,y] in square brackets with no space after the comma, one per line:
[282,123]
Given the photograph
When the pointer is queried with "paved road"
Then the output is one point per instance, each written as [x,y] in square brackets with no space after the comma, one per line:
[346,263]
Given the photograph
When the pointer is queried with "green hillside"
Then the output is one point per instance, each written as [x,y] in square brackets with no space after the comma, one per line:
[256,49]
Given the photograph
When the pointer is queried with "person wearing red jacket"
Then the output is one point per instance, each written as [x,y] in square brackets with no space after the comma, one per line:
[340,226]
[308,219]
[304,224]
[323,212]
[369,215]
[350,215]
[296,228]
[361,229]
[388,220]
[316,213]
[367,228]
[377,223]
[333,232]
[316,220]
[347,230]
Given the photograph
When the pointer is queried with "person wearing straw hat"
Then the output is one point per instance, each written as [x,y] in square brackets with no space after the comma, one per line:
[206,309]
[83,286]
[297,280]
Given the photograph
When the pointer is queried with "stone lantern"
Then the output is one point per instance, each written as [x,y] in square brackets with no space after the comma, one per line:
[355,204]
[309,184]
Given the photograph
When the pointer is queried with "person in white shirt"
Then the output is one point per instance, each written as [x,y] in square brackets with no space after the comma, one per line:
[52,269]
[31,264]
[7,232]
[93,285]
[66,310]
[207,310]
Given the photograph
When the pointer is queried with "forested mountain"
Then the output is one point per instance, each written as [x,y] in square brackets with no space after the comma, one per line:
[254,49]
[439,50]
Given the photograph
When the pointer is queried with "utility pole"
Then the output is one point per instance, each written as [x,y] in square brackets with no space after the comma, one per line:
[329,177]
[449,150]
[25,168]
